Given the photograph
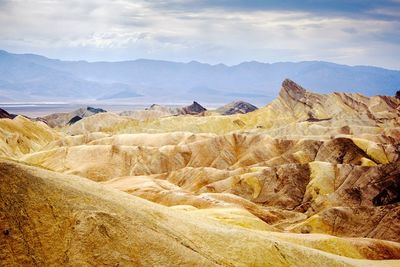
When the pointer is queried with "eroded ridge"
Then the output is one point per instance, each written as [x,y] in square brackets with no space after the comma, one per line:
[305,180]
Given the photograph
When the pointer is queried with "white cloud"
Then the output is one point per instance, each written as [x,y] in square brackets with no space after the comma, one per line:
[122,29]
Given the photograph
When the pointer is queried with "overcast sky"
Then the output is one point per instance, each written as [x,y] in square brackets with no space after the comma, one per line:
[354,32]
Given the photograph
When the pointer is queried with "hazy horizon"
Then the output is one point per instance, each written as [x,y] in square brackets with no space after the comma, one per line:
[191,61]
[34,78]
[228,32]
[156,51]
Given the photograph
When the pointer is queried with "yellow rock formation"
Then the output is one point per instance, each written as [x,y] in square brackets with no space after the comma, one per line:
[22,136]
[308,180]
[55,219]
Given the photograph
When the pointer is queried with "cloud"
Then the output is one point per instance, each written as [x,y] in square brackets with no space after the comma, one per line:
[362,32]
[322,7]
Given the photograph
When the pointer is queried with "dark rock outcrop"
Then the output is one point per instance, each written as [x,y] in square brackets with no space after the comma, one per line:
[73,120]
[63,119]
[236,107]
[95,110]
[194,108]
[5,115]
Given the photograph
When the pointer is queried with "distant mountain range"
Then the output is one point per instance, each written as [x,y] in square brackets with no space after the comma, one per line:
[29,77]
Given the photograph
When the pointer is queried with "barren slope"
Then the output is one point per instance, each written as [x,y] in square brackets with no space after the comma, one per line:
[268,183]
[54,219]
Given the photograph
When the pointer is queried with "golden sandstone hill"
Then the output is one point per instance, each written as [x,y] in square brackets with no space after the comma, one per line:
[308,180]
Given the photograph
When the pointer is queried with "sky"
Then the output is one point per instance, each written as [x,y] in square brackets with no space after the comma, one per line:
[353,32]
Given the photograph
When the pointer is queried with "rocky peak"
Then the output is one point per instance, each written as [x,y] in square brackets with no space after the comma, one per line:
[66,118]
[236,107]
[292,90]
[194,108]
[86,112]
[5,115]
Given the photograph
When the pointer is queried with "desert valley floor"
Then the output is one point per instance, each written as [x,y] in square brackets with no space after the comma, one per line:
[307,180]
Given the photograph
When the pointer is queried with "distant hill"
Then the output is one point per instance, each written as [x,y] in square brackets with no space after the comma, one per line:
[64,118]
[34,77]
[236,107]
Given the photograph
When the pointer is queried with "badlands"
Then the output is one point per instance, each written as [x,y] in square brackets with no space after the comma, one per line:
[307,180]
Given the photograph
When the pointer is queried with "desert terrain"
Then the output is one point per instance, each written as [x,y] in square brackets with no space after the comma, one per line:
[306,180]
